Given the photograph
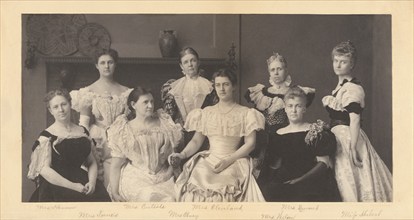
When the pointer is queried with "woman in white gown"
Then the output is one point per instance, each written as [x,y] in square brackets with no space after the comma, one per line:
[360,173]
[223,173]
[102,101]
[140,143]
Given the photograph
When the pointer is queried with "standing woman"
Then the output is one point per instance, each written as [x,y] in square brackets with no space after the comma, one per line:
[269,100]
[102,101]
[189,92]
[58,155]
[360,173]
[140,143]
[223,173]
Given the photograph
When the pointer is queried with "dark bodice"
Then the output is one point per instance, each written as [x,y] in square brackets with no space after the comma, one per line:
[70,153]
[297,158]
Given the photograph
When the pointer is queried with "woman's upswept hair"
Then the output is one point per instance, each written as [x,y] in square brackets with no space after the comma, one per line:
[296,92]
[345,48]
[278,57]
[111,52]
[225,73]
[57,92]
[133,97]
[188,50]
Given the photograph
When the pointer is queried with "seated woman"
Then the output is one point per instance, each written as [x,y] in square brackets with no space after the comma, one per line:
[297,167]
[140,143]
[58,155]
[223,173]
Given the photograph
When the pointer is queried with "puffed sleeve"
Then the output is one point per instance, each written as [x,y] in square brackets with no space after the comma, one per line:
[173,130]
[353,98]
[81,98]
[332,102]
[41,156]
[194,121]
[255,95]
[117,137]
[325,147]
[254,121]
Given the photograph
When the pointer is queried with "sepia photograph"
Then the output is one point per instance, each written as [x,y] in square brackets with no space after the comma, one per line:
[175,114]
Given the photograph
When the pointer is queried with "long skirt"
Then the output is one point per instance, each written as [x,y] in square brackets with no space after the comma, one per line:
[372,182]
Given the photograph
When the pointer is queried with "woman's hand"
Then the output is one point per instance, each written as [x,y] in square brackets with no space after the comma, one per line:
[356,157]
[294,181]
[222,165]
[90,188]
[78,187]
[117,198]
[354,129]
[175,159]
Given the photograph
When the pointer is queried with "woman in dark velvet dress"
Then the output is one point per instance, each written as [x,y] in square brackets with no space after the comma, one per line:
[297,167]
[60,156]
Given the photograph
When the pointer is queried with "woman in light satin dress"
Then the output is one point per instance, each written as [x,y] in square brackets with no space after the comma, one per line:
[223,173]
[360,173]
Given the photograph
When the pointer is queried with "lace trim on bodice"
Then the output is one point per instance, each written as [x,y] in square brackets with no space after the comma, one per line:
[189,94]
[146,149]
[239,122]
[105,107]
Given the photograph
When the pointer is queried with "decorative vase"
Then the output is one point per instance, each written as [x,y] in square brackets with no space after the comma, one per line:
[168,43]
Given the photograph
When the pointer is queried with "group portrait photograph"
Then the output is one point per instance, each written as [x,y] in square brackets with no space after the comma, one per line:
[186,114]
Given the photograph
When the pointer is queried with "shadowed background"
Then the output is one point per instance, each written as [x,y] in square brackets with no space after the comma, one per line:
[305,41]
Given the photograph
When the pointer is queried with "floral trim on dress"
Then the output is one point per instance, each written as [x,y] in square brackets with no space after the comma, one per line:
[322,140]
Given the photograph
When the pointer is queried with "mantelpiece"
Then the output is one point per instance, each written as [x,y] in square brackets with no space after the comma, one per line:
[132,60]
[73,73]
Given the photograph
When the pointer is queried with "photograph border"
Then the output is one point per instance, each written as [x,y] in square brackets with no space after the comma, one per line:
[11,122]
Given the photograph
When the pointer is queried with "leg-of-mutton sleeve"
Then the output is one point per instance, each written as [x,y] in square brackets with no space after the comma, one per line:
[41,156]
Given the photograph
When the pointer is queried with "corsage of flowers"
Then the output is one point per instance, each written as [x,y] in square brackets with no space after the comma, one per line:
[315,132]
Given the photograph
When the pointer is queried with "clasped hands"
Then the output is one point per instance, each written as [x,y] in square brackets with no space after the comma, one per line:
[86,189]
[175,159]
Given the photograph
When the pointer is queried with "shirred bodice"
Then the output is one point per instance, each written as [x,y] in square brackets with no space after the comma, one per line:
[148,149]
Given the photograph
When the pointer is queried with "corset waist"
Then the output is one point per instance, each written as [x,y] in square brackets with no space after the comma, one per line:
[335,122]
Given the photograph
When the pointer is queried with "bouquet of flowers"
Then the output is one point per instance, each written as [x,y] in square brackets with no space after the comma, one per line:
[315,132]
